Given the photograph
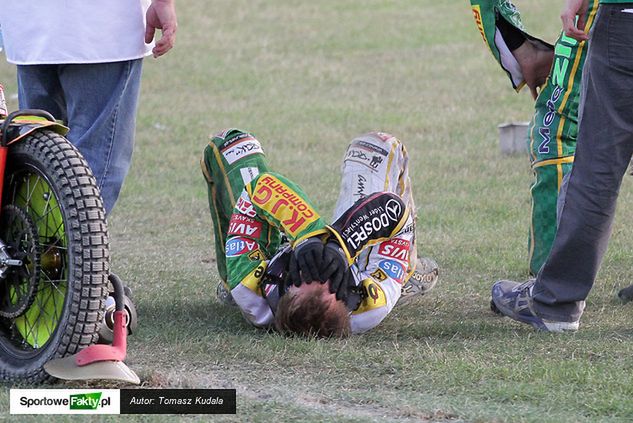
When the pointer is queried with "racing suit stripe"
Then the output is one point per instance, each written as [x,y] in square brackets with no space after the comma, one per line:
[216,224]
[561,175]
[389,163]
[559,165]
[558,161]
[579,55]
[218,159]
[215,216]
[570,87]
[205,172]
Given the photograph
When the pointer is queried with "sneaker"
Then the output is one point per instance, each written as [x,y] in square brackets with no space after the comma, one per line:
[421,281]
[224,295]
[514,300]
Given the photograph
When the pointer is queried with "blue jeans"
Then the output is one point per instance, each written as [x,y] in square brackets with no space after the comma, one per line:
[98,103]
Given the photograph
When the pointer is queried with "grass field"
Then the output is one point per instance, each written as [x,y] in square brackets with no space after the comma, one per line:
[306,77]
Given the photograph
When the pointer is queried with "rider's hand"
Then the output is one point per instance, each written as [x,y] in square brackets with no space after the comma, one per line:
[308,259]
[335,268]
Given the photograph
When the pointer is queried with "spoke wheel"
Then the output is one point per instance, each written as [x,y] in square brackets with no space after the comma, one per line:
[19,233]
[51,184]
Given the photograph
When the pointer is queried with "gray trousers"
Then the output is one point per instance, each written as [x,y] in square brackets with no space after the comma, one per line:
[603,152]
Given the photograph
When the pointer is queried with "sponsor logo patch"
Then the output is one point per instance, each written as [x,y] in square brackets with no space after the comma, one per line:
[393,269]
[394,210]
[379,275]
[240,147]
[248,174]
[233,140]
[548,119]
[238,246]
[244,225]
[395,248]
[369,147]
[256,255]
[284,204]
[373,219]
[425,277]
[251,281]
[408,228]
[365,158]
[375,297]
[479,22]
[360,186]
[245,206]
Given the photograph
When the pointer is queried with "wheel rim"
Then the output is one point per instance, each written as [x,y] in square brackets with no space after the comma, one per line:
[18,287]
[31,191]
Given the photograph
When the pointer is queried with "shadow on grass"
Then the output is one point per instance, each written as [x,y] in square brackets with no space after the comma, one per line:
[170,319]
[192,316]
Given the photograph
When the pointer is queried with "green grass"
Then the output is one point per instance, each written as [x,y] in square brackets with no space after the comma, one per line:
[307,77]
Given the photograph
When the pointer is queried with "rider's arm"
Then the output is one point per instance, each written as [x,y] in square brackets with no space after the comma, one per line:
[269,204]
[382,227]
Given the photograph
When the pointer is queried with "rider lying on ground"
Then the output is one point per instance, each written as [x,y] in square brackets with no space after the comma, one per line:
[284,266]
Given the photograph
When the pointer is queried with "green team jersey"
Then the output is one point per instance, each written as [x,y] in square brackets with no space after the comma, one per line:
[269,204]
[251,206]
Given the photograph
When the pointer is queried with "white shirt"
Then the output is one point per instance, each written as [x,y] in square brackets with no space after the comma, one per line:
[73,31]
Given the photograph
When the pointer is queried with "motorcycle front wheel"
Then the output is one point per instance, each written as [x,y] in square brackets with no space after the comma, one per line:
[52,220]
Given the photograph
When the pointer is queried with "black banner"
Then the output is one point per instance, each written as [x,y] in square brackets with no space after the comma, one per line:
[178,401]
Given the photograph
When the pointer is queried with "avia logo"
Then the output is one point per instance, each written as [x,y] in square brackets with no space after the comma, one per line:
[395,248]
[88,401]
[243,225]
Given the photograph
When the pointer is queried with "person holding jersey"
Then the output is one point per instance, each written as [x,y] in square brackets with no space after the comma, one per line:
[555,300]
[553,75]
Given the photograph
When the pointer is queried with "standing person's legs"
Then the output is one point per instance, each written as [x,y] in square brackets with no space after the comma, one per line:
[39,88]
[98,102]
[101,104]
[605,146]
[555,300]
[552,144]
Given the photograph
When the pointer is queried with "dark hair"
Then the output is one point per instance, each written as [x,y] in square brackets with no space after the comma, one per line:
[311,315]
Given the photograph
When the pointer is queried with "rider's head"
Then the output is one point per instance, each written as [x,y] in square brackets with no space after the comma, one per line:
[310,309]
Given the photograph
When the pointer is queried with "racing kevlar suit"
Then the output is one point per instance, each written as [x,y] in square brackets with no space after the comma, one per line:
[251,206]
[552,132]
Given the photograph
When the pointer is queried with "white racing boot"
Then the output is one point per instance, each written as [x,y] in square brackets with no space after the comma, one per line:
[421,281]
